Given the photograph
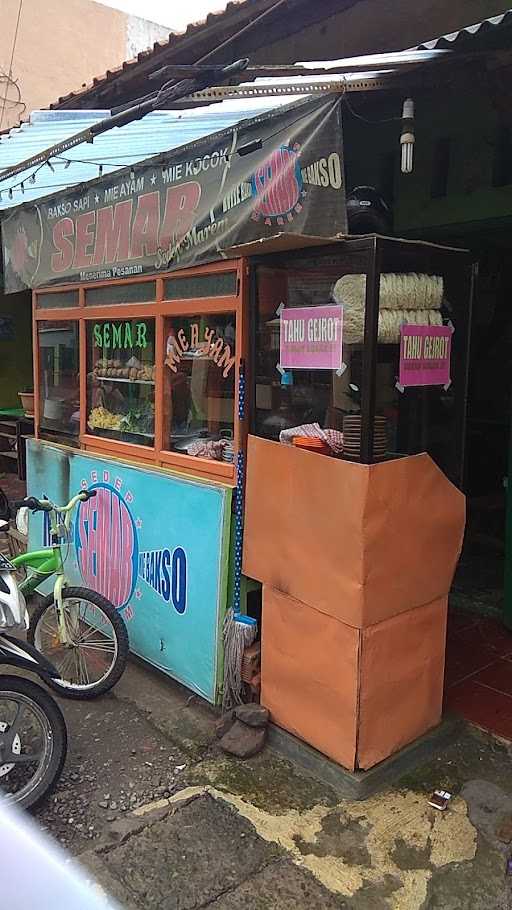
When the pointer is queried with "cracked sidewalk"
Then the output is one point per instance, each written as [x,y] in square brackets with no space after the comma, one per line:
[260,834]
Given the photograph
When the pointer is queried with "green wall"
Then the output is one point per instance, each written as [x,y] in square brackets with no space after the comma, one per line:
[466,113]
[16,370]
[463,109]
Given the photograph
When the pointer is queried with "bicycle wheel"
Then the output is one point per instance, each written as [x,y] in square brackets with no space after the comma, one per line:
[95,657]
[33,742]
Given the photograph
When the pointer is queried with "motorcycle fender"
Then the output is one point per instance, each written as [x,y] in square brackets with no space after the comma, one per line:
[23,655]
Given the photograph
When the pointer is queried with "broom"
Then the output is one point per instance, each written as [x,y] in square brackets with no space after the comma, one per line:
[238,631]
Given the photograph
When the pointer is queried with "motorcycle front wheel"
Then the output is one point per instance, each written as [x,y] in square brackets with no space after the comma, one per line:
[33,742]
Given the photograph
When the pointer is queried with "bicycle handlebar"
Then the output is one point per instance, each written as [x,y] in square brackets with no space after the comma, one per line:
[45,505]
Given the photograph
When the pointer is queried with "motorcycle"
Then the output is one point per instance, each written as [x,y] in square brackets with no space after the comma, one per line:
[33,737]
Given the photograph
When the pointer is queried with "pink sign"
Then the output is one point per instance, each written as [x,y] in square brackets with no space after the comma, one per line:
[311,338]
[425,352]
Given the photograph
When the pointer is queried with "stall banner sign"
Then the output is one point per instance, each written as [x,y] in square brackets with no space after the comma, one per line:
[156,546]
[311,338]
[425,353]
[279,172]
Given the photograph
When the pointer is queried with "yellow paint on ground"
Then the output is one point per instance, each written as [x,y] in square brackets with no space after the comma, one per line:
[453,837]
[413,892]
[394,821]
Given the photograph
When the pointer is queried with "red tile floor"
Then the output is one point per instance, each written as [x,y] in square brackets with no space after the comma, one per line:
[478,672]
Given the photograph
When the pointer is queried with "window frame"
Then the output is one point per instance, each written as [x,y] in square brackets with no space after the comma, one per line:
[159,310]
[149,450]
[46,432]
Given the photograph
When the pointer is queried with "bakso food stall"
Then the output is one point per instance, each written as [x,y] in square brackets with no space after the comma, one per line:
[310,384]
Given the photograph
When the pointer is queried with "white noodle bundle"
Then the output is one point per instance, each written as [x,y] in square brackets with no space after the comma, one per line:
[397,292]
[410,298]
[391,320]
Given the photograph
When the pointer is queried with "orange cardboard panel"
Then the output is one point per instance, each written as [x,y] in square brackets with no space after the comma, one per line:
[413,529]
[309,675]
[303,526]
[359,543]
[401,681]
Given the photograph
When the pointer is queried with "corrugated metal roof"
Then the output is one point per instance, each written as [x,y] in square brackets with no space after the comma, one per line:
[158,132]
[466,33]
[162,131]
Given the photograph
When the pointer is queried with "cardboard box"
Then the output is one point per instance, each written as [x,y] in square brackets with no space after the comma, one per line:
[359,543]
[356,695]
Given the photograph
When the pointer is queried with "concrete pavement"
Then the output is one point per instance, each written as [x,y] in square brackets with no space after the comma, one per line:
[205,830]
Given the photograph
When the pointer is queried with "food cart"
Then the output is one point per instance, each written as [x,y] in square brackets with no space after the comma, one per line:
[164,386]
[356,552]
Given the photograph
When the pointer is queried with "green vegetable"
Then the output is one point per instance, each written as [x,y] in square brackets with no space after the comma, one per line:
[139,419]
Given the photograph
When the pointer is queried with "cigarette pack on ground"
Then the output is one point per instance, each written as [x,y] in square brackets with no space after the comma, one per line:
[440,799]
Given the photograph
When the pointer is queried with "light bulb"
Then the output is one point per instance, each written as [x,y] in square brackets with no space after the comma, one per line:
[407,136]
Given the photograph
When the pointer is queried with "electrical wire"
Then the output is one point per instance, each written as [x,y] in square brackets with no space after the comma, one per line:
[166,88]
[21,183]
[157,93]
[12,83]
[9,77]
[135,112]
[355,114]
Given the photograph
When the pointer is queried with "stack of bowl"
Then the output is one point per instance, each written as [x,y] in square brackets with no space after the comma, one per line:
[352,437]
[228,454]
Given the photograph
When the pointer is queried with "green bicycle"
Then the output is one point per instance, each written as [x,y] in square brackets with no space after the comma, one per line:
[77,629]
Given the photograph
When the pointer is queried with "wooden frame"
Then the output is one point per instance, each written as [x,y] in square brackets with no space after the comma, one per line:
[159,310]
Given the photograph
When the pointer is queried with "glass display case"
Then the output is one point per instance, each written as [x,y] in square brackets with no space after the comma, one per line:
[59,377]
[180,388]
[121,380]
[399,387]
[146,369]
[363,341]
[199,385]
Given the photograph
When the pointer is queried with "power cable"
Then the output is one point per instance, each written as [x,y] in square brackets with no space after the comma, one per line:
[156,94]
[357,116]
[9,81]
[9,77]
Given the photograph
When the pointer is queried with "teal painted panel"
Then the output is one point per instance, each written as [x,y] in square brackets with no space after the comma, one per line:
[155,544]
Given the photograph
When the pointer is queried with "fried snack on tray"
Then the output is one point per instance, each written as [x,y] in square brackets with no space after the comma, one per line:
[101,419]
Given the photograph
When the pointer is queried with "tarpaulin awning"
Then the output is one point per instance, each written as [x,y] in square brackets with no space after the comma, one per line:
[280,171]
